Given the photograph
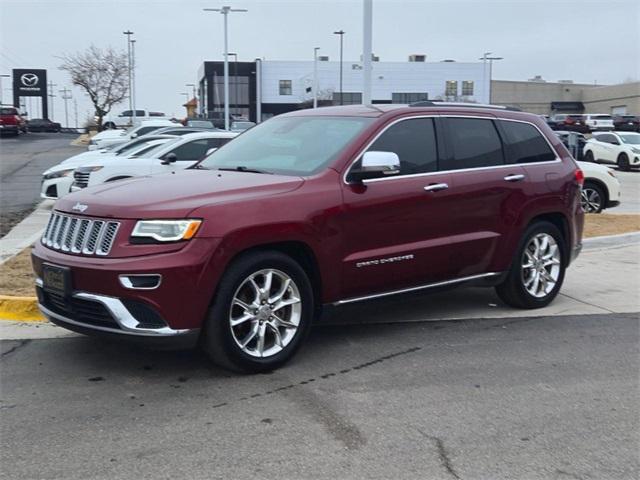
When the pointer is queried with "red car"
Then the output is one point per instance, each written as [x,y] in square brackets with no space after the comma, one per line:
[317,207]
[11,121]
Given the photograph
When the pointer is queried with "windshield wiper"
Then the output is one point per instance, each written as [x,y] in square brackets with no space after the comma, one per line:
[198,167]
[242,168]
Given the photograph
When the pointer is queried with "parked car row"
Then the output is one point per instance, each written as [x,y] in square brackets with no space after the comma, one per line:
[12,122]
[162,150]
[319,207]
[589,123]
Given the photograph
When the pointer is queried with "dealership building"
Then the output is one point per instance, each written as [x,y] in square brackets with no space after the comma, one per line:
[264,88]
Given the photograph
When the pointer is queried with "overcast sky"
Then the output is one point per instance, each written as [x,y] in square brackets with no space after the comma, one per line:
[582,40]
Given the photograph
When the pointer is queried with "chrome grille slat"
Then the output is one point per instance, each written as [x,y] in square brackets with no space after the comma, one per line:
[80,235]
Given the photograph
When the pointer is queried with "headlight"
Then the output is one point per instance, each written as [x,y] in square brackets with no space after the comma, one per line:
[635,150]
[90,169]
[166,230]
[92,142]
[58,174]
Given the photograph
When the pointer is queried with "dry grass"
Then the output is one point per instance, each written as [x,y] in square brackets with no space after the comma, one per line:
[606,224]
[16,275]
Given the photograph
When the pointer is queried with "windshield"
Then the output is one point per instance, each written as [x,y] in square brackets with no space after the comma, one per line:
[630,138]
[200,123]
[150,150]
[289,145]
[8,111]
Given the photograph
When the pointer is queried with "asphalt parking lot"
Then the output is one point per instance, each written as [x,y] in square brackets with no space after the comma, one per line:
[551,397]
[24,158]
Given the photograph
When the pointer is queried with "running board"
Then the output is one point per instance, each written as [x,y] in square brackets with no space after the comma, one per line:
[414,289]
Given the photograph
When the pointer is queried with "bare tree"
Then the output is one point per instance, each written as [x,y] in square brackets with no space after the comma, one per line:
[103,74]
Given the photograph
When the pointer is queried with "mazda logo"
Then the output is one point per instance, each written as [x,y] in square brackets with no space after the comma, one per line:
[29,79]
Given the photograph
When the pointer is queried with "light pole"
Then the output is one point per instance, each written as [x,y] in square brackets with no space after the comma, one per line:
[367,34]
[66,95]
[341,33]
[315,77]
[52,96]
[491,59]
[193,86]
[235,80]
[4,75]
[225,11]
[128,33]
[133,79]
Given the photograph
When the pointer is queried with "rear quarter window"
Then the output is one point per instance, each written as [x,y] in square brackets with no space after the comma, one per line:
[525,144]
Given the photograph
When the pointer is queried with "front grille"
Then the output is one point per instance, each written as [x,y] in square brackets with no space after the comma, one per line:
[85,311]
[80,235]
[81,179]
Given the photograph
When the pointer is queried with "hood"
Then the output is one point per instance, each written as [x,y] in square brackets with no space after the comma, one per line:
[175,195]
[77,160]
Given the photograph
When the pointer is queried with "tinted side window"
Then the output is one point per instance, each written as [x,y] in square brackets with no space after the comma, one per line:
[525,143]
[144,130]
[126,113]
[414,142]
[474,143]
[194,150]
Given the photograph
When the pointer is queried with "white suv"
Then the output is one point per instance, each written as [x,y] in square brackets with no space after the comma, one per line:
[111,137]
[169,156]
[598,121]
[618,148]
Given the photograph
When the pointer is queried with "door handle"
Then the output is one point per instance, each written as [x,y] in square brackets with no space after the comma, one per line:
[434,187]
[514,178]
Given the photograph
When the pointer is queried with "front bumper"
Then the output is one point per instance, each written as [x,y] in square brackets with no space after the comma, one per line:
[181,300]
[109,316]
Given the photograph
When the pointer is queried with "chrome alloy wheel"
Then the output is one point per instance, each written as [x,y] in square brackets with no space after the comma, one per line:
[265,313]
[540,265]
[590,200]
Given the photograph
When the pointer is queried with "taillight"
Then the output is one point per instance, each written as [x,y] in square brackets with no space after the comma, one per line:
[579,176]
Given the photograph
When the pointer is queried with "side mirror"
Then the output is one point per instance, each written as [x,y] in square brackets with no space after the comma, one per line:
[376,164]
[169,158]
[134,135]
[210,151]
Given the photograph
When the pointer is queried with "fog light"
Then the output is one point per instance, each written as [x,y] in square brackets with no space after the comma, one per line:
[141,282]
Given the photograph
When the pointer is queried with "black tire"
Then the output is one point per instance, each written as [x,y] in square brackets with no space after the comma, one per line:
[588,157]
[513,291]
[218,339]
[109,126]
[593,197]
[623,162]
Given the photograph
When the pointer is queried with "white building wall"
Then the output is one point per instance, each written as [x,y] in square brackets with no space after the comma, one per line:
[387,78]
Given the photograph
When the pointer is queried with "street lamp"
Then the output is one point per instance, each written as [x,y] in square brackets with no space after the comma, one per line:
[235,79]
[484,58]
[225,11]
[341,33]
[193,86]
[128,33]
[367,39]
[315,77]
[4,75]
[133,79]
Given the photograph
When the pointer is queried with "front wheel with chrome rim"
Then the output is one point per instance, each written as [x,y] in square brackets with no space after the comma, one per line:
[537,271]
[261,313]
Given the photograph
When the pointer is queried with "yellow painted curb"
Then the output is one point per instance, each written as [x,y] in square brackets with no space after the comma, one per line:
[23,309]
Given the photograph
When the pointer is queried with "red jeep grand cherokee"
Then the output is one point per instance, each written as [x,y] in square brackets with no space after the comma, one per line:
[315,207]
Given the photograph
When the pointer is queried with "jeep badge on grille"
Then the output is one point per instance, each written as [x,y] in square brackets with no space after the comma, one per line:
[80,207]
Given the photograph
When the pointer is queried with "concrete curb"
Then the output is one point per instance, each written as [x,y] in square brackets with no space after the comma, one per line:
[23,309]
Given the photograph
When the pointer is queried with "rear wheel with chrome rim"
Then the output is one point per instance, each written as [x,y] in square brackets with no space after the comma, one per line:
[260,314]
[537,271]
[592,198]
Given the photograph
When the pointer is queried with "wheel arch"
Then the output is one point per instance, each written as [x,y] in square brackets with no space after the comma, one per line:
[562,223]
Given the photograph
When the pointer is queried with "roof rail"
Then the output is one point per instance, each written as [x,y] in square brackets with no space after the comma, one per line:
[438,103]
